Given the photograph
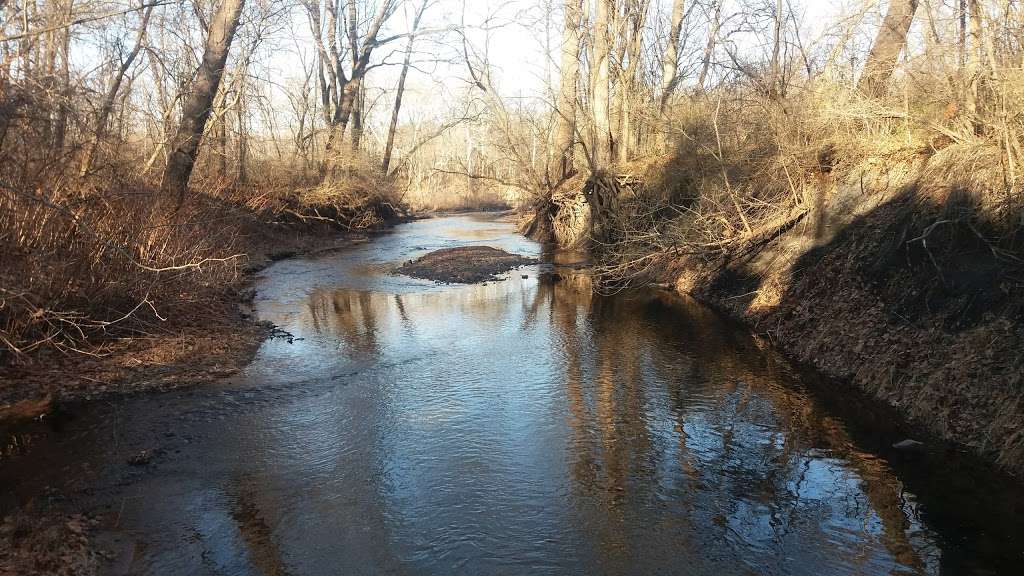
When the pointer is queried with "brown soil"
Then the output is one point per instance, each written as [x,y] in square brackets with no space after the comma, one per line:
[464,265]
[51,544]
[935,333]
[188,355]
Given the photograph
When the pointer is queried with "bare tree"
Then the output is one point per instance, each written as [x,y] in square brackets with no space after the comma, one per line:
[890,41]
[670,64]
[360,52]
[400,90]
[777,87]
[628,84]
[107,106]
[600,85]
[565,123]
[196,110]
[709,48]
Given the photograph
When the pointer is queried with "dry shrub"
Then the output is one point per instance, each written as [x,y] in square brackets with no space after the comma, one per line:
[118,262]
[744,166]
[726,176]
[107,255]
[879,239]
[118,259]
[447,192]
[354,196]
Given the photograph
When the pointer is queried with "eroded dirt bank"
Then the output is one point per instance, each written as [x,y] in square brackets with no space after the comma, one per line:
[900,272]
[906,288]
[217,342]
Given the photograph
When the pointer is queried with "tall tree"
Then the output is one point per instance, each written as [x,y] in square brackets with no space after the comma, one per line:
[709,48]
[107,106]
[632,30]
[335,80]
[670,64]
[196,110]
[341,92]
[777,84]
[565,122]
[360,53]
[890,41]
[600,82]
[399,92]
[60,44]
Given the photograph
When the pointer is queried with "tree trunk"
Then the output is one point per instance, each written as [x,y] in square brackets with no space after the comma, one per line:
[63,91]
[891,39]
[775,89]
[353,88]
[243,135]
[196,110]
[962,25]
[386,162]
[341,119]
[389,146]
[220,129]
[709,48]
[985,36]
[357,120]
[601,71]
[103,117]
[629,80]
[980,48]
[565,123]
[670,64]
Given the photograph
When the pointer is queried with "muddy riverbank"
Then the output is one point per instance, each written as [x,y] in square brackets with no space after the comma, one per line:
[214,344]
[935,333]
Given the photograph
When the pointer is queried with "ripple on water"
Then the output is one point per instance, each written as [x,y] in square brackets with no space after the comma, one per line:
[525,426]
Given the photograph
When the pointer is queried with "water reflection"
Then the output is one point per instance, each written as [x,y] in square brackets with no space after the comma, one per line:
[679,437]
[523,426]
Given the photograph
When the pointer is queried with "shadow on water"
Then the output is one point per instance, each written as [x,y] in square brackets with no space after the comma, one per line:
[523,426]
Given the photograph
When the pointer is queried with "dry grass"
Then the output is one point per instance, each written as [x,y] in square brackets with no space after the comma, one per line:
[82,261]
[743,165]
[76,266]
[356,197]
[441,192]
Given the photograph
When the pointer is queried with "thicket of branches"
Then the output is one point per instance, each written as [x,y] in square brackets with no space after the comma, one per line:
[143,143]
[146,147]
[695,127]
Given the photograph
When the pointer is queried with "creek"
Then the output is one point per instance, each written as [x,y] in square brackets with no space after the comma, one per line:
[522,426]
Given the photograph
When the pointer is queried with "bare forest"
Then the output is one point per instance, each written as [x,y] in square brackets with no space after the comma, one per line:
[511,286]
[151,152]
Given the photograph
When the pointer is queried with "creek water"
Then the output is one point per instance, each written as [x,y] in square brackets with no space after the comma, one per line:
[523,426]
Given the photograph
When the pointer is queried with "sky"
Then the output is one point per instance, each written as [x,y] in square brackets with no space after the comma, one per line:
[520,42]
[514,41]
